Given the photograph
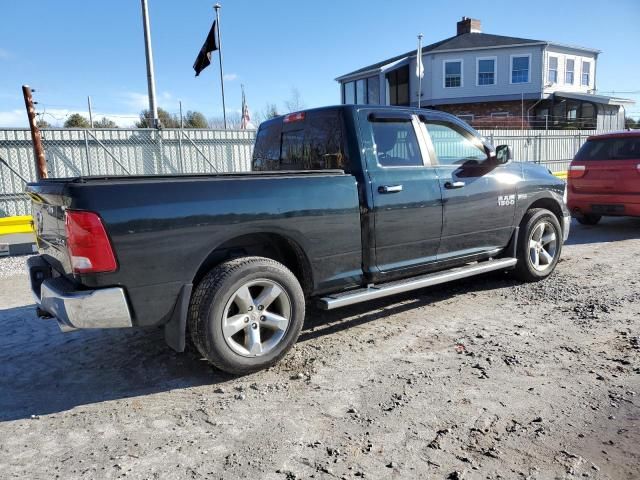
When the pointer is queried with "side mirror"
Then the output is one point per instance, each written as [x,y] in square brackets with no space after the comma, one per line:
[503,154]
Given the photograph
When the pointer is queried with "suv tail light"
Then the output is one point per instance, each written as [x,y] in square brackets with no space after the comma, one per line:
[577,171]
[88,244]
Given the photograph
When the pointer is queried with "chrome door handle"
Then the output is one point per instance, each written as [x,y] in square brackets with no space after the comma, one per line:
[452,185]
[389,188]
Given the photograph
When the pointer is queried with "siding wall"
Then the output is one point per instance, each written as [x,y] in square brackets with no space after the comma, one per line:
[434,73]
[563,53]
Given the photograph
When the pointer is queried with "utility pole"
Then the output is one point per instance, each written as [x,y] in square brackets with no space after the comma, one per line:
[151,82]
[36,136]
[217,8]
[90,111]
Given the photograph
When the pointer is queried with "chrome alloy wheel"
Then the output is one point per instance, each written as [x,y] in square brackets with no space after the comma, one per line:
[543,246]
[256,318]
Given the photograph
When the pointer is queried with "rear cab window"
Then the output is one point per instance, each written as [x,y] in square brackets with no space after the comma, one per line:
[621,148]
[310,140]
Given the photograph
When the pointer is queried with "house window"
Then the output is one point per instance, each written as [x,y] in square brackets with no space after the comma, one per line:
[349,93]
[487,71]
[499,114]
[363,91]
[398,86]
[520,69]
[453,73]
[586,73]
[373,90]
[553,70]
[568,74]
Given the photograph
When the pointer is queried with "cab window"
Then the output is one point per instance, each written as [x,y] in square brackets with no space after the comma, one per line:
[313,142]
[453,145]
[396,144]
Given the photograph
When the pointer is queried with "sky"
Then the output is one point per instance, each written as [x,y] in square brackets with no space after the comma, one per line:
[69,49]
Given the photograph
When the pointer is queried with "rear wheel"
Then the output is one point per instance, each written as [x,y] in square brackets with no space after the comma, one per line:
[246,314]
[539,245]
[589,219]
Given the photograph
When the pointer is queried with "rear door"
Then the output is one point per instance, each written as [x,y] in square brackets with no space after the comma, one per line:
[611,166]
[404,189]
[478,195]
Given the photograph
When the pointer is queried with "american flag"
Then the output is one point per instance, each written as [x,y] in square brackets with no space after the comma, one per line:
[246,124]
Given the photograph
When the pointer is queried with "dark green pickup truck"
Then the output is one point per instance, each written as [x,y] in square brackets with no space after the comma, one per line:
[344,204]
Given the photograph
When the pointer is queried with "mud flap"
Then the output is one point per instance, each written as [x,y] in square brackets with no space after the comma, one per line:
[175,328]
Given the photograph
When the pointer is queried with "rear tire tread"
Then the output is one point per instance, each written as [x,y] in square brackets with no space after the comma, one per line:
[201,303]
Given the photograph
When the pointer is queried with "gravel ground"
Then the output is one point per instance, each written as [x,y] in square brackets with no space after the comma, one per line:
[11,266]
[481,379]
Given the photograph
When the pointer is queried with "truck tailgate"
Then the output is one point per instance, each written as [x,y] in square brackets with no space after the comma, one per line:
[48,217]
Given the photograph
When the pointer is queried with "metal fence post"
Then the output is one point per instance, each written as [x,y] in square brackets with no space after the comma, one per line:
[86,149]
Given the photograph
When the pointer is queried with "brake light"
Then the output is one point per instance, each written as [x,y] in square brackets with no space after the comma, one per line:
[577,171]
[294,117]
[88,244]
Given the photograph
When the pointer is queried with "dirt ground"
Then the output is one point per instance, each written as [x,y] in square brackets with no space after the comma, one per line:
[481,379]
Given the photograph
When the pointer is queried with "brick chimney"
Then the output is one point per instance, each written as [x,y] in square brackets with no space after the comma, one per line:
[469,25]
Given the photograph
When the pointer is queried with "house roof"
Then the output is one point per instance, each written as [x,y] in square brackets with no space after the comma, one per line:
[465,41]
[589,97]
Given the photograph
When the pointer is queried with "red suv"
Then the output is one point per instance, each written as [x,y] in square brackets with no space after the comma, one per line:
[604,177]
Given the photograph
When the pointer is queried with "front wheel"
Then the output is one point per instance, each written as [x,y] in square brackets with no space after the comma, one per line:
[246,314]
[539,245]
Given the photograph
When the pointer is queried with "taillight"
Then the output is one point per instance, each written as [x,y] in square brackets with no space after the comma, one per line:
[638,167]
[89,247]
[577,171]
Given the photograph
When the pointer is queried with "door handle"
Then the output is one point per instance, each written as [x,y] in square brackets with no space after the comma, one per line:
[452,185]
[389,188]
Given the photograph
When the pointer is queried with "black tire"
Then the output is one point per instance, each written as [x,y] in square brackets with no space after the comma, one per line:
[525,269]
[210,300]
[588,219]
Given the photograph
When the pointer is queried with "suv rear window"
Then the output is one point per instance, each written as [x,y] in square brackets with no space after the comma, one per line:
[314,143]
[610,149]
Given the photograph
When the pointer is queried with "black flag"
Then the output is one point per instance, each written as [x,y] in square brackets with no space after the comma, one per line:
[210,45]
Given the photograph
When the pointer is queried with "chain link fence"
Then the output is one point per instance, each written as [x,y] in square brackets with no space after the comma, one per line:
[84,152]
[72,153]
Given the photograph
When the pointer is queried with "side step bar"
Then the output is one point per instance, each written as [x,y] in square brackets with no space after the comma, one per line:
[372,292]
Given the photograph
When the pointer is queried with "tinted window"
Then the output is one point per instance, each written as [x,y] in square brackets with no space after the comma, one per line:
[398,86]
[453,145]
[396,144]
[266,152]
[292,150]
[610,149]
[314,143]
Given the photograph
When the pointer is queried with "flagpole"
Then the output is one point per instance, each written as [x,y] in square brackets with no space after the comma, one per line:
[419,58]
[151,82]
[217,8]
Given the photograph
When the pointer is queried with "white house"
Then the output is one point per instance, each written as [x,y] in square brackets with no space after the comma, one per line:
[482,77]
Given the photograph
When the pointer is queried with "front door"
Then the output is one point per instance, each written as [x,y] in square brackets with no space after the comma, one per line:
[404,189]
[478,195]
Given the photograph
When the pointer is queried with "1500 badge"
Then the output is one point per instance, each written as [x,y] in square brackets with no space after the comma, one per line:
[506,200]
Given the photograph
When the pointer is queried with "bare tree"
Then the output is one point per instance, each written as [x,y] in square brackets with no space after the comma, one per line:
[269,111]
[294,102]
[234,119]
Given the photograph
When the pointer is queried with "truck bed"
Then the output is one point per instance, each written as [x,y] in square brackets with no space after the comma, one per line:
[163,228]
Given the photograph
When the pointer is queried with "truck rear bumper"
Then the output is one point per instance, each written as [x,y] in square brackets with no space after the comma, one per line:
[73,308]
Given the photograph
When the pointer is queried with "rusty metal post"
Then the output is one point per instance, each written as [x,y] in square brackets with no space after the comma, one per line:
[36,136]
